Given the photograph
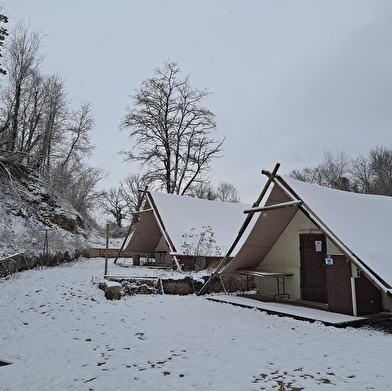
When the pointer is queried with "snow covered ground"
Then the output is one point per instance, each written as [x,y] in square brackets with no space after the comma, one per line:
[60,333]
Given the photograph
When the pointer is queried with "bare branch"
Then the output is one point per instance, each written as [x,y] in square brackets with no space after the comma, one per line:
[171,130]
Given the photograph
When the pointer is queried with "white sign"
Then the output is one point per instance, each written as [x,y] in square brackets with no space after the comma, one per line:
[319,245]
[329,260]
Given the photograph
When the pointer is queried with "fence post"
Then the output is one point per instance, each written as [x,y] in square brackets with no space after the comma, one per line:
[107,248]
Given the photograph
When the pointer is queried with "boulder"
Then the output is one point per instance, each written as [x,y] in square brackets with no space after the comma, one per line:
[112,290]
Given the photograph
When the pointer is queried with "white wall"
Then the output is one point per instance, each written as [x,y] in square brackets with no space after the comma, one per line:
[162,246]
[387,304]
[285,257]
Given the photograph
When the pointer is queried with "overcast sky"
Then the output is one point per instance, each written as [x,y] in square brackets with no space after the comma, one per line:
[290,79]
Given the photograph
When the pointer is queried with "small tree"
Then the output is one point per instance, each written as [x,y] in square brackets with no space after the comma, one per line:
[172,130]
[200,245]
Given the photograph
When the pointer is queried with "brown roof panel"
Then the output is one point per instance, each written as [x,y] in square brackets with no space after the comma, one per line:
[265,232]
[146,236]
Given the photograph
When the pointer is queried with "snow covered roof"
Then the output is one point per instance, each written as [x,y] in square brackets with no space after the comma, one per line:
[361,223]
[179,215]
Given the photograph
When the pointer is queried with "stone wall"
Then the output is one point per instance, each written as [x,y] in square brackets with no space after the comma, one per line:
[19,262]
[184,286]
[112,253]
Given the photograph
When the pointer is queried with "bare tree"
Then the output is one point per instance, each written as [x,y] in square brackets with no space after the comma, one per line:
[373,174]
[79,128]
[132,190]
[369,174]
[113,202]
[172,130]
[39,129]
[226,192]
[54,117]
[381,166]
[335,170]
[3,35]
[332,172]
[33,106]
[70,176]
[22,61]
[361,172]
[202,189]
[77,185]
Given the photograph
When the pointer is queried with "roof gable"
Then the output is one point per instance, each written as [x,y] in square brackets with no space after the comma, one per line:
[179,215]
[147,233]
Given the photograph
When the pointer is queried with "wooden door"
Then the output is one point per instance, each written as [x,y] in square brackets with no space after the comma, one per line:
[369,298]
[339,285]
[313,274]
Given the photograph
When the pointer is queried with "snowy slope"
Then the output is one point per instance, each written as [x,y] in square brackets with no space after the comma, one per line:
[27,210]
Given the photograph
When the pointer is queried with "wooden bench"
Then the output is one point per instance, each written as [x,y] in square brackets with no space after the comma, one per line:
[280,278]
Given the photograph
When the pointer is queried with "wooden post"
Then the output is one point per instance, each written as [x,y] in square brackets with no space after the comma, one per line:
[354,297]
[107,248]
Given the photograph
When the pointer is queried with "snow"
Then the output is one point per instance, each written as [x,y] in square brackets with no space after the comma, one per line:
[111,284]
[361,222]
[181,214]
[290,309]
[60,333]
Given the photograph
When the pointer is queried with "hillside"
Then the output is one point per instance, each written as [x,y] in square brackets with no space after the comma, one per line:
[27,210]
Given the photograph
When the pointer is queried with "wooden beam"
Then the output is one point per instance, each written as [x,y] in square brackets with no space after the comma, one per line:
[276,206]
[263,274]
[142,211]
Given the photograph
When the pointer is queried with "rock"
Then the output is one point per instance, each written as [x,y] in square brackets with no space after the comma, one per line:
[112,290]
[144,289]
[184,286]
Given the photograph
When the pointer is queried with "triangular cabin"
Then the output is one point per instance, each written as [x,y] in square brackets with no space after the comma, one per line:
[184,232]
[319,245]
